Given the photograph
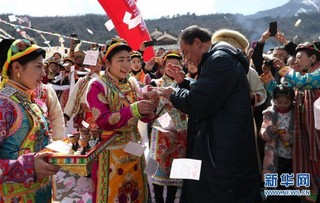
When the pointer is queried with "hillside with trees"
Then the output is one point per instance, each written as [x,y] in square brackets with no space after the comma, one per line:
[308,30]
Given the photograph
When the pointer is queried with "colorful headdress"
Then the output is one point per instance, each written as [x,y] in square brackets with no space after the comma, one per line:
[136,54]
[310,46]
[114,43]
[171,54]
[18,49]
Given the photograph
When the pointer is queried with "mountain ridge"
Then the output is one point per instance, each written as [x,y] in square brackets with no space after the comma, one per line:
[292,8]
[251,26]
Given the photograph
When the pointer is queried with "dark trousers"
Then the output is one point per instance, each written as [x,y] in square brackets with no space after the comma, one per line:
[158,193]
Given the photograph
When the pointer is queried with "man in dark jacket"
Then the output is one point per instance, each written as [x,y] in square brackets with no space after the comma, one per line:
[222,134]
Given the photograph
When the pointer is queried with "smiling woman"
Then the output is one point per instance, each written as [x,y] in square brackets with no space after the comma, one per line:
[23,128]
[114,103]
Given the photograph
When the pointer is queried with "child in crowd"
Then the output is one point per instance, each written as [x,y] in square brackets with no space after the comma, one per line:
[277,132]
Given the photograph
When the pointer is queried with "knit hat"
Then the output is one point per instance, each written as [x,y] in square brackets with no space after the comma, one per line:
[232,37]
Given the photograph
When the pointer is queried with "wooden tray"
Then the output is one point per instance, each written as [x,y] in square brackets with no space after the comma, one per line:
[79,164]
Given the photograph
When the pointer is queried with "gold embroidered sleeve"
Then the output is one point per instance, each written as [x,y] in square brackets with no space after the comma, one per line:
[114,118]
[102,98]
[96,113]
[266,77]
[284,71]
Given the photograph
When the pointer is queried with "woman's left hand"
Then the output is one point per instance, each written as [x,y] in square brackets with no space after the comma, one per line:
[41,168]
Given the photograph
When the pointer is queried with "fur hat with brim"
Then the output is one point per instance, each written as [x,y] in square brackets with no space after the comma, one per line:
[232,37]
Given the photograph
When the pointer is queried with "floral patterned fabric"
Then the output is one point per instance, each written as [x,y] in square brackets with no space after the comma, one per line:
[118,176]
[166,146]
[274,147]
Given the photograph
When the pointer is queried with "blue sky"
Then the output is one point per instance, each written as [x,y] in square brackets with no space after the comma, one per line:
[150,9]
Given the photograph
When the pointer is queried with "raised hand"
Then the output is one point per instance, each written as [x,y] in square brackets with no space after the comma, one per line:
[176,72]
[281,38]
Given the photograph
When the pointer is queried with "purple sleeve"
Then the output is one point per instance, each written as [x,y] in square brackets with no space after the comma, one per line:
[105,118]
[19,171]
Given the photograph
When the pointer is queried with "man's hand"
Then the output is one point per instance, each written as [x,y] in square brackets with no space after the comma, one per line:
[164,91]
[281,38]
[264,37]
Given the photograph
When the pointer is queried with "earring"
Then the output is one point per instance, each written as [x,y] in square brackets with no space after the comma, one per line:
[18,75]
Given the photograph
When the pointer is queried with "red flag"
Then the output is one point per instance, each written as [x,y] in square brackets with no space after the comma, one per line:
[119,12]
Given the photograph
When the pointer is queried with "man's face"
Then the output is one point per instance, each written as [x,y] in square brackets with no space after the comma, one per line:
[192,53]
[280,54]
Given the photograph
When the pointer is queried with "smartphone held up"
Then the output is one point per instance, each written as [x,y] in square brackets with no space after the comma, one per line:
[273,28]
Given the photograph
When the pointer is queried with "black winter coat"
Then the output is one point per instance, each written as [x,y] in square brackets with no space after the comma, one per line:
[221,130]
